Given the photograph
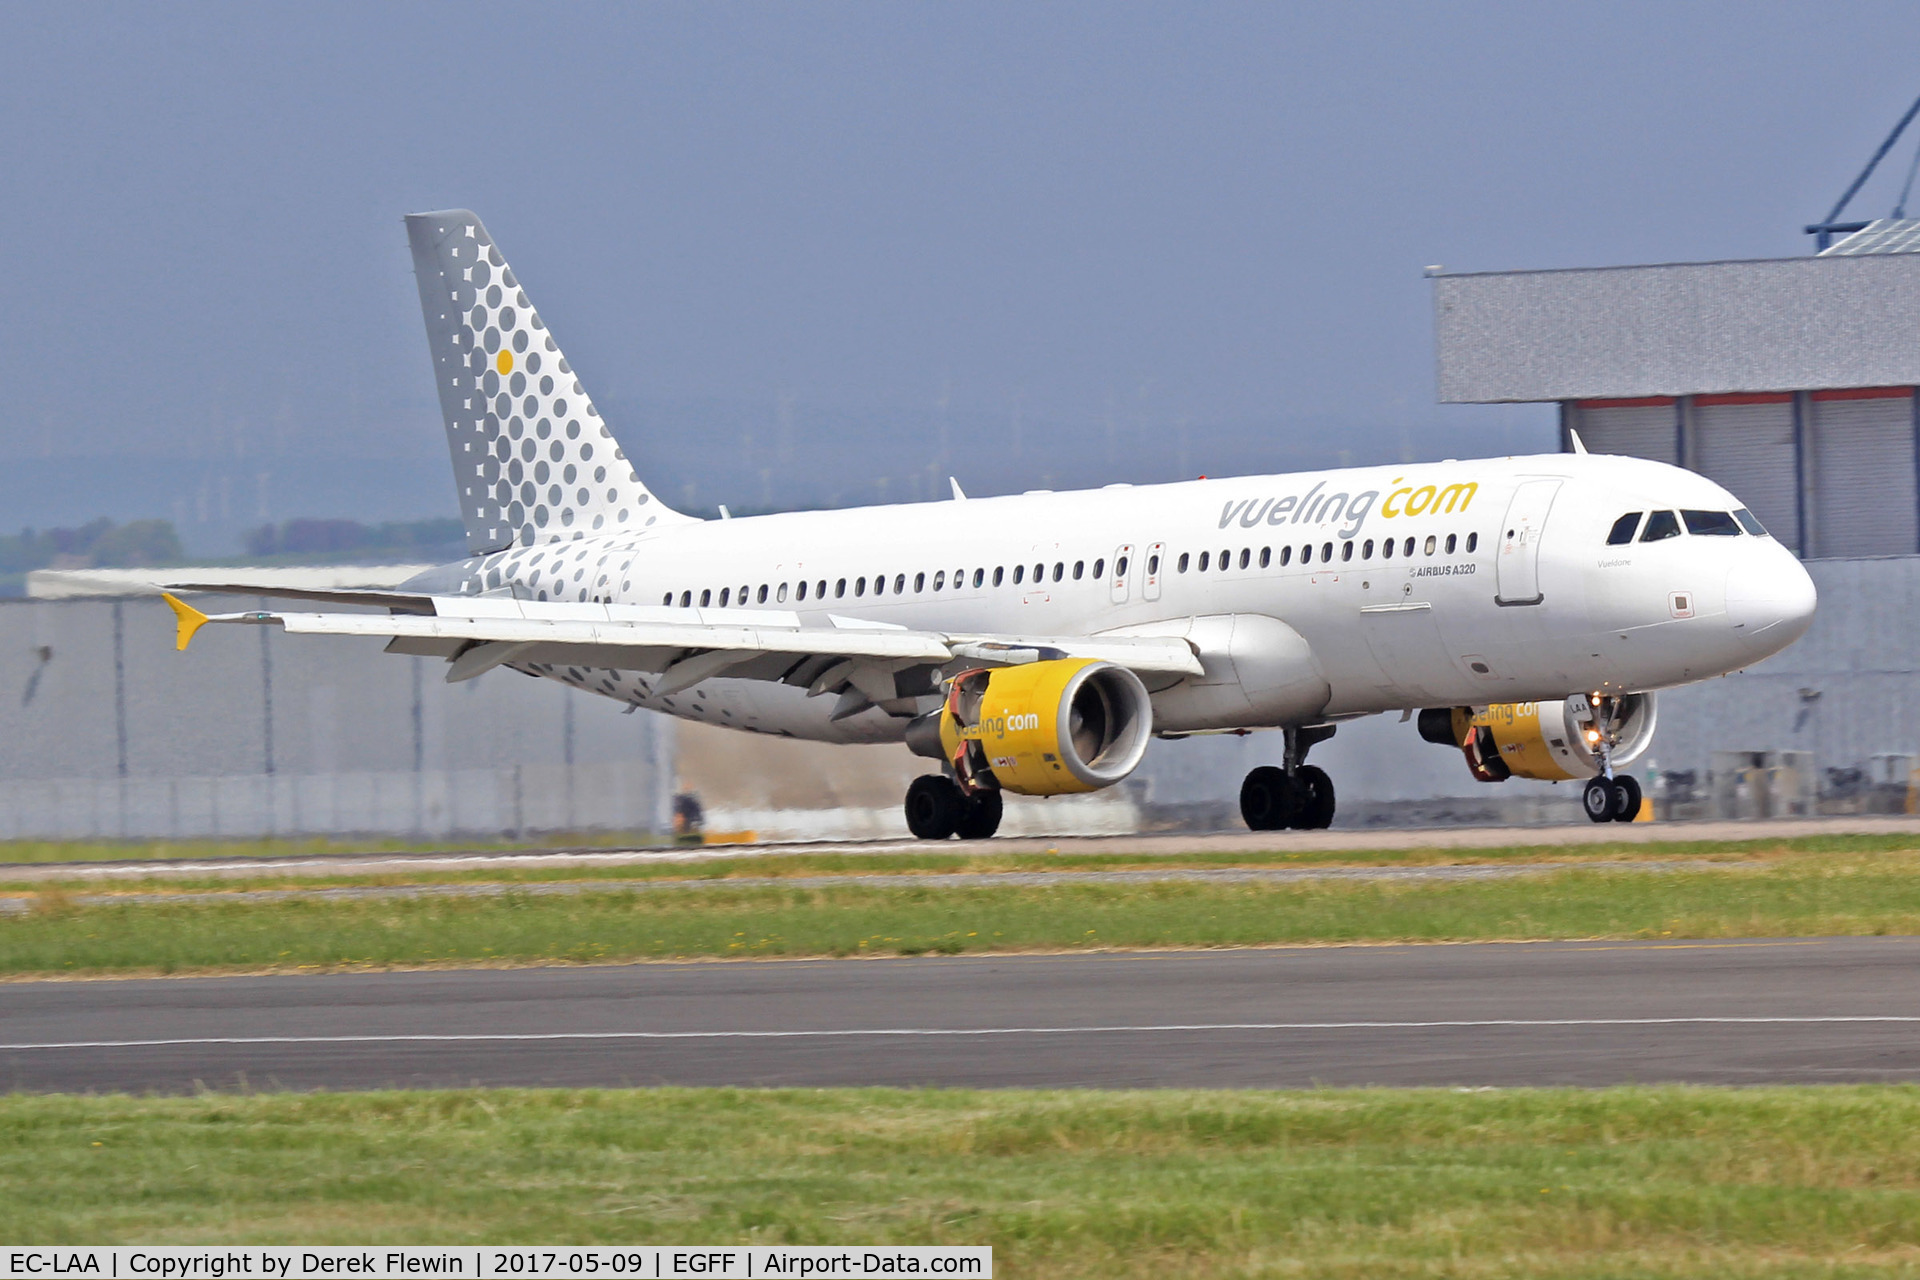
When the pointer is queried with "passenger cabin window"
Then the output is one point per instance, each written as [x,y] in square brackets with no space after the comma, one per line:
[1346,552]
[1306,554]
[940,579]
[1286,556]
[1181,564]
[1326,551]
[1473,540]
[1059,570]
[839,588]
[1245,557]
[1019,574]
[1079,570]
[1433,544]
[761,598]
[1750,523]
[706,598]
[980,576]
[1100,566]
[686,599]
[667,599]
[1366,549]
[801,592]
[1206,558]
[780,596]
[1266,556]
[1226,560]
[1120,567]
[1660,526]
[899,583]
[1453,540]
[723,597]
[1622,532]
[859,586]
[1711,524]
[1386,549]
[997,572]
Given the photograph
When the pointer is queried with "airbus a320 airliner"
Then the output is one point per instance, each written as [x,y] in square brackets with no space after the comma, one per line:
[1526,608]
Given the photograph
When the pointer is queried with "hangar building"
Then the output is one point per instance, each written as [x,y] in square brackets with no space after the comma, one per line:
[1790,381]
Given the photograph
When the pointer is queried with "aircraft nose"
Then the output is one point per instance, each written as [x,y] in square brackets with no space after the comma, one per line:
[1770,600]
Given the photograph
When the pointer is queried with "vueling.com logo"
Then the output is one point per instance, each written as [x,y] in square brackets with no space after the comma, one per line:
[1316,508]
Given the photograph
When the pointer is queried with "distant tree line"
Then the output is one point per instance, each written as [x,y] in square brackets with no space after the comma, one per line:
[429,538]
[101,544]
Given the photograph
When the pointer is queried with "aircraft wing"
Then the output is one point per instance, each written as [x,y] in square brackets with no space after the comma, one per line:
[686,646]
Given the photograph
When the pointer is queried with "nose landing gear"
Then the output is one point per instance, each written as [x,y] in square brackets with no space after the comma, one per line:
[1608,798]
[1299,796]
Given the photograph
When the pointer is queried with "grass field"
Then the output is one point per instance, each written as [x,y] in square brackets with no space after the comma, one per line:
[1623,1182]
[1798,894]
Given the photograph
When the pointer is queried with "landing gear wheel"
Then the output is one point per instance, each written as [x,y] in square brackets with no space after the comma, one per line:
[1626,798]
[979,815]
[934,807]
[1313,798]
[1267,799]
[1598,799]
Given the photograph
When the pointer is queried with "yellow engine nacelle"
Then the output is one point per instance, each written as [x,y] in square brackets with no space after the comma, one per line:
[1046,728]
[1548,740]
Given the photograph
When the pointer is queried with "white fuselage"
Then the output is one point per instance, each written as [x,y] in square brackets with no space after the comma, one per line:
[1500,585]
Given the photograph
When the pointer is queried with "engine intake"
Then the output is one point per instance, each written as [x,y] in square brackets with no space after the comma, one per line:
[1046,728]
[1548,740]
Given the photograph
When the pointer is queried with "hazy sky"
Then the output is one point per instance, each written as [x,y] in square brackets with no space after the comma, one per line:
[1093,227]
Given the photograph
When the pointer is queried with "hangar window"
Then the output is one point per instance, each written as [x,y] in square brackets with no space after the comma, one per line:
[1019,574]
[1181,564]
[1433,544]
[706,598]
[899,583]
[1266,556]
[1206,558]
[1346,551]
[940,579]
[1750,523]
[998,573]
[800,592]
[859,586]
[1286,555]
[1306,554]
[1473,541]
[1711,524]
[1079,569]
[1622,532]
[1660,526]
[1246,557]
[839,588]
[1453,540]
[1100,567]
[723,597]
[1326,551]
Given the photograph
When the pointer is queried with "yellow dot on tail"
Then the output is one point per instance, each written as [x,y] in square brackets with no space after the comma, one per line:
[505,363]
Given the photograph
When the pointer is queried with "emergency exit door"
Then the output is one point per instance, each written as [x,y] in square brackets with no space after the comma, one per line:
[1517,571]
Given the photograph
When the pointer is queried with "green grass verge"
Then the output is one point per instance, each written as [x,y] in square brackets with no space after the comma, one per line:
[43,851]
[1618,1182]
[1806,896]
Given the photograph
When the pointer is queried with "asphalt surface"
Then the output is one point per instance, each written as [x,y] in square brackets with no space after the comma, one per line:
[1395,838]
[1765,1011]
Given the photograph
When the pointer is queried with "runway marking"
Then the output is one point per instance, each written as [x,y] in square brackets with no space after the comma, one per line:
[909,1032]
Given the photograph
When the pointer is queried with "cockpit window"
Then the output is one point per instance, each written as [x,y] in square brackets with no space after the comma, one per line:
[1622,532]
[1710,524]
[1750,523]
[1661,524]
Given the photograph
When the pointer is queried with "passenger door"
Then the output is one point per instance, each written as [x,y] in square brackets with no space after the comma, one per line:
[1517,570]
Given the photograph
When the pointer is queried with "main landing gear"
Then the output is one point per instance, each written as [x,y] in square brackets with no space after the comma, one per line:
[1608,798]
[937,808]
[1299,796]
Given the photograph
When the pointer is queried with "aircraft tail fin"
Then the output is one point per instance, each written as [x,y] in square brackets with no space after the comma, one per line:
[533,461]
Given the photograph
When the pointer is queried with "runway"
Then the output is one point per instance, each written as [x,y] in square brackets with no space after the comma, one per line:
[1762,1011]
[1146,846]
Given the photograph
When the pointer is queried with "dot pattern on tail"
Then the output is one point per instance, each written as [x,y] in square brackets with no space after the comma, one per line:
[533,461]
